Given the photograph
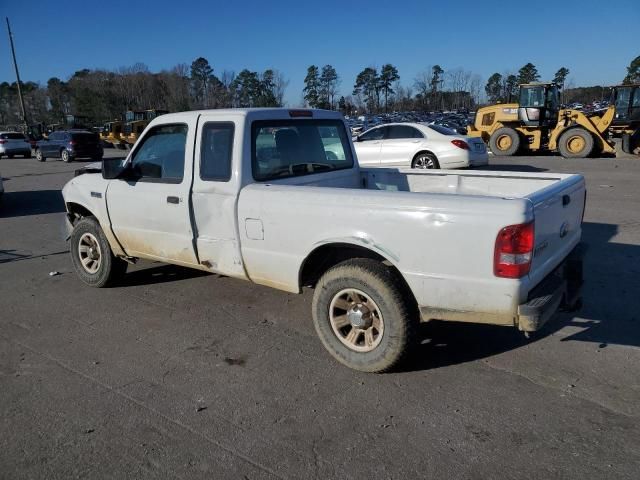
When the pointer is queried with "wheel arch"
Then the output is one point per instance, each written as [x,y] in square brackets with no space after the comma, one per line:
[329,254]
[421,151]
[76,211]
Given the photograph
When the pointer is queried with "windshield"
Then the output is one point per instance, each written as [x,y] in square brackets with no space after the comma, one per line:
[291,148]
[532,97]
[12,136]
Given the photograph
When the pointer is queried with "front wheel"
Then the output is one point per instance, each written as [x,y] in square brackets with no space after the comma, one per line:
[92,257]
[39,156]
[362,316]
[576,143]
[424,161]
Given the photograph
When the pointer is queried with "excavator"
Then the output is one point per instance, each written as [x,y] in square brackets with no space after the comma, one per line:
[626,123]
[537,123]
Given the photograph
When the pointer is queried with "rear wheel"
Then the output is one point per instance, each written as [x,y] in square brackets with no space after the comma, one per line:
[39,156]
[27,155]
[425,160]
[505,141]
[576,143]
[64,155]
[10,155]
[92,257]
[363,317]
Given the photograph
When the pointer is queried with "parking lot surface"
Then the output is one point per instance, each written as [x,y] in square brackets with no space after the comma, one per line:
[179,374]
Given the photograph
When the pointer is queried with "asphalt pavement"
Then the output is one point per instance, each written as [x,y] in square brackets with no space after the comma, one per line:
[179,374]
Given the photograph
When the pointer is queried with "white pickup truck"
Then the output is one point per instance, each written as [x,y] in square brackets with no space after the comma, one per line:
[276,197]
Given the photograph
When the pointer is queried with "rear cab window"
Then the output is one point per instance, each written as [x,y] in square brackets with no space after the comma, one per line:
[12,136]
[292,148]
[85,137]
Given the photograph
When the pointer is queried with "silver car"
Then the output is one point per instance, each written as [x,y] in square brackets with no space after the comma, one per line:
[14,143]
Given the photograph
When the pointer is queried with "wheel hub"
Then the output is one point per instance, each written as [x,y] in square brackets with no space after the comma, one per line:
[359,316]
[356,320]
[575,144]
[504,142]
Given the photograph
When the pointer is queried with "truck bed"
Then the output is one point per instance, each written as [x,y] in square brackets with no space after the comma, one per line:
[484,183]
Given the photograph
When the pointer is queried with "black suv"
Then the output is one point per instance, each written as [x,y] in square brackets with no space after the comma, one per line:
[70,145]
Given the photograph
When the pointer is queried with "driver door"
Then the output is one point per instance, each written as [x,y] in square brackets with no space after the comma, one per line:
[149,208]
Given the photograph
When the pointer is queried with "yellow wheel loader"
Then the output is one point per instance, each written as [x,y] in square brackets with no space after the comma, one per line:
[112,133]
[537,123]
[136,122]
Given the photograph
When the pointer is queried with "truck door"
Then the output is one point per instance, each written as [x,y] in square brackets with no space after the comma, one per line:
[149,208]
[215,193]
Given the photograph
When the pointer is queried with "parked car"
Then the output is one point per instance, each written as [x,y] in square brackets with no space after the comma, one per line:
[255,195]
[14,143]
[419,145]
[70,145]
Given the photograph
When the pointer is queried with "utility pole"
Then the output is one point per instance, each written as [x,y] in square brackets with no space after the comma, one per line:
[15,66]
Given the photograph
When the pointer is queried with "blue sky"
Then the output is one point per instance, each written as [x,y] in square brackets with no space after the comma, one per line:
[56,38]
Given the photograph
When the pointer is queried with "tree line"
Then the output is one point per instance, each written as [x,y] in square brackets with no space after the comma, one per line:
[102,95]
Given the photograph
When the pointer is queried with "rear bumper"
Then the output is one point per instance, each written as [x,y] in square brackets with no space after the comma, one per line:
[562,288]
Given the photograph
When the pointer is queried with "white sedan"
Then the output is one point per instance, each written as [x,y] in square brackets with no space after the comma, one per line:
[418,145]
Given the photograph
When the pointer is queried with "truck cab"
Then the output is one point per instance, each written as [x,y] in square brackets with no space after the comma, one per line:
[538,104]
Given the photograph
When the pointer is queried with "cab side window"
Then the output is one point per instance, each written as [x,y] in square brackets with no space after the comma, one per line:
[215,151]
[160,158]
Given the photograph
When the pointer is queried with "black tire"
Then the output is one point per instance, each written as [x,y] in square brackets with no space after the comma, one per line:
[505,141]
[397,314]
[425,160]
[39,156]
[576,143]
[27,155]
[110,268]
[97,158]
[10,155]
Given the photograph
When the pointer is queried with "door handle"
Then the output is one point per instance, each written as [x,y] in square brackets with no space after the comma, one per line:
[174,200]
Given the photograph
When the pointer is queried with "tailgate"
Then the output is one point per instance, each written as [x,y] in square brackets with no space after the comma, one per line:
[558,211]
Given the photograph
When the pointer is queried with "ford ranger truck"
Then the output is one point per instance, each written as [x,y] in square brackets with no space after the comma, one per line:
[276,197]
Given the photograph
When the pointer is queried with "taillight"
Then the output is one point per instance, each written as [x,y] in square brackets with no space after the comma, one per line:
[2,142]
[514,251]
[72,142]
[460,144]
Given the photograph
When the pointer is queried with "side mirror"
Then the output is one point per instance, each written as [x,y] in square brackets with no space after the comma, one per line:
[113,168]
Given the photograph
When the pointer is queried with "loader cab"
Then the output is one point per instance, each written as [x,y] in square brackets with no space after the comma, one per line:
[626,99]
[539,104]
